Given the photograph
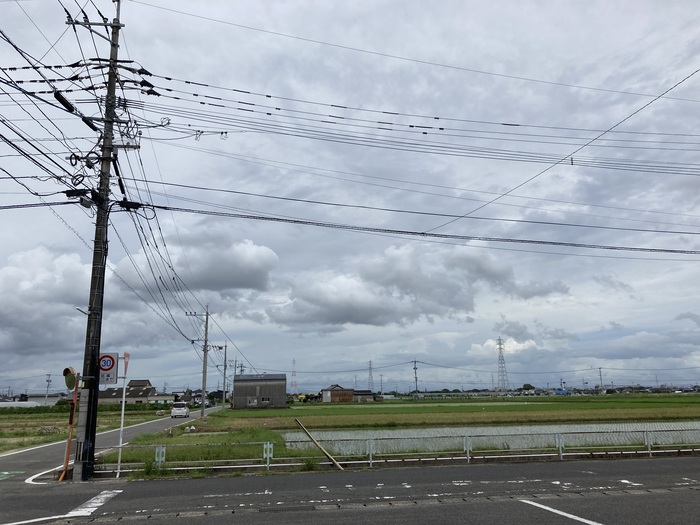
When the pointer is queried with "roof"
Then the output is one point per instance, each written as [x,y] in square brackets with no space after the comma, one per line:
[139,383]
[336,388]
[131,393]
[260,377]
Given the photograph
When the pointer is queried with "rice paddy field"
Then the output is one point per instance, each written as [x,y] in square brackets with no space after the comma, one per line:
[20,429]
[480,411]
[402,425]
[27,427]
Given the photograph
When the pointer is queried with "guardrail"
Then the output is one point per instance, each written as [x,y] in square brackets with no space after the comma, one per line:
[298,454]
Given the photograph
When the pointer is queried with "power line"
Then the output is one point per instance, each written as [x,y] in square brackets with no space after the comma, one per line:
[419,213]
[427,234]
[401,58]
[573,153]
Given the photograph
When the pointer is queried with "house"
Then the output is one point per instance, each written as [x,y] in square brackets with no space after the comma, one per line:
[137,391]
[260,391]
[364,396]
[337,394]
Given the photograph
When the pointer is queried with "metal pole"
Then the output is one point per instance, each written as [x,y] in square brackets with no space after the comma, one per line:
[223,401]
[204,358]
[121,424]
[87,418]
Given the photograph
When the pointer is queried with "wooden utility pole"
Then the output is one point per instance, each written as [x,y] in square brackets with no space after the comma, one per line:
[87,416]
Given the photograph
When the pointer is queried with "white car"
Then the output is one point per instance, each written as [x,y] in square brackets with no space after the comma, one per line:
[180,409]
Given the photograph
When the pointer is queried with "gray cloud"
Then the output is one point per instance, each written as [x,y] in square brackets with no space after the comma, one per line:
[514,329]
[415,142]
[690,316]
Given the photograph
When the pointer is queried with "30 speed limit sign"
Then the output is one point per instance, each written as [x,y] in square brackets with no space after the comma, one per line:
[109,368]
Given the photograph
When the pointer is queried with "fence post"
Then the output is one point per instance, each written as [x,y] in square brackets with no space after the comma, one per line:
[468,448]
[648,441]
[559,440]
[267,453]
[160,455]
[370,452]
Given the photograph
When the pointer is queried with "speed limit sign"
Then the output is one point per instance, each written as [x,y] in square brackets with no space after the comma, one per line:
[109,368]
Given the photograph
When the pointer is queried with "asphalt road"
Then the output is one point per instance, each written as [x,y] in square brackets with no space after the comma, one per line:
[651,490]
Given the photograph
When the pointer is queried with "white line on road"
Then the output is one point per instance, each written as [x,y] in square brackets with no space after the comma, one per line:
[36,520]
[565,514]
[91,506]
[31,479]
[86,509]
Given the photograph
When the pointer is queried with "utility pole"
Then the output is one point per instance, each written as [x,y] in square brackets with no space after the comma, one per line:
[205,349]
[87,416]
[233,383]
[223,400]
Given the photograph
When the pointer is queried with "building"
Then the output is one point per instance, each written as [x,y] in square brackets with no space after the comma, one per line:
[365,396]
[337,394]
[260,391]
[137,391]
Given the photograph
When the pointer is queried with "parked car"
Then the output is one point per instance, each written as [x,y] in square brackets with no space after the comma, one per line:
[180,409]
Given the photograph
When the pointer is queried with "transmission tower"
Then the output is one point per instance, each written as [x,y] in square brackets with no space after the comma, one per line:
[293,386]
[370,379]
[503,385]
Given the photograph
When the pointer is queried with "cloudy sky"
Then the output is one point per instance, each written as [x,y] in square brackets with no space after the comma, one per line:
[344,183]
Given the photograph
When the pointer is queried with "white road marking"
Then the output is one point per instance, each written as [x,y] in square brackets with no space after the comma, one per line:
[36,520]
[626,482]
[87,508]
[560,513]
[688,481]
[31,479]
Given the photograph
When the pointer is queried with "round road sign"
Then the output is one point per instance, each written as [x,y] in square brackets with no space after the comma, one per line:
[107,362]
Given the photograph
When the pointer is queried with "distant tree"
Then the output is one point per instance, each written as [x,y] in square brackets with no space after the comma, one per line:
[528,386]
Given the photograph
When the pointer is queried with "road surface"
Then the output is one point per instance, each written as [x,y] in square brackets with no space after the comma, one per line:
[642,491]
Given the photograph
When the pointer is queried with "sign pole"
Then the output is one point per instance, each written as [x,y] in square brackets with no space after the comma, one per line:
[121,425]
